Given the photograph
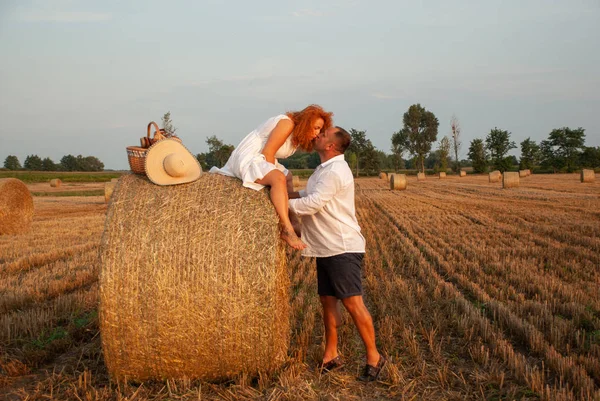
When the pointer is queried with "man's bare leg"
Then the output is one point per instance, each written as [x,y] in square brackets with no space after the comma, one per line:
[364,323]
[329,319]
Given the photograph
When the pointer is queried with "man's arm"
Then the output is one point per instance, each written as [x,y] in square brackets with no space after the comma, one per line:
[325,190]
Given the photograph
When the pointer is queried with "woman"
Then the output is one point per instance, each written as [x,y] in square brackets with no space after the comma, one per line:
[254,160]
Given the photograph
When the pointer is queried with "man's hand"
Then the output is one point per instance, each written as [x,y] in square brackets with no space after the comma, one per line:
[294,195]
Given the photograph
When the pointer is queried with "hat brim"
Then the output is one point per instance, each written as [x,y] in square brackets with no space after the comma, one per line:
[156,155]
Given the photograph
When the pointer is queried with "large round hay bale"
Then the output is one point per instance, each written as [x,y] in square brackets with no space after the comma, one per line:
[398,182]
[495,176]
[463,173]
[193,281]
[441,174]
[296,181]
[383,176]
[510,179]
[420,176]
[588,175]
[522,173]
[109,187]
[16,207]
[55,182]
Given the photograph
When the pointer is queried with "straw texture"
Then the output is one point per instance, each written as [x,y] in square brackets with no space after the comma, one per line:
[510,179]
[420,176]
[16,207]
[193,281]
[109,187]
[398,182]
[495,176]
[55,182]
[295,181]
[463,173]
[587,175]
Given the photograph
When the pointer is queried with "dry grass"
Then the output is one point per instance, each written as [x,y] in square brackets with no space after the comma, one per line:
[510,179]
[196,287]
[476,293]
[16,207]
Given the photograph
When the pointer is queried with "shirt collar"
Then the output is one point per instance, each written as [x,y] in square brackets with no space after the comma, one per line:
[332,160]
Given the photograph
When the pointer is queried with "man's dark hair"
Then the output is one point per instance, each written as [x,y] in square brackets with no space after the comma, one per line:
[342,139]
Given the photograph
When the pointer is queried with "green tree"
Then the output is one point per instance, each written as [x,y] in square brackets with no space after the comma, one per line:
[456,143]
[168,124]
[590,157]
[217,155]
[48,164]
[88,163]
[498,143]
[420,127]
[530,154]
[313,160]
[33,162]
[366,154]
[566,145]
[12,163]
[68,163]
[399,146]
[444,153]
[478,155]
[352,160]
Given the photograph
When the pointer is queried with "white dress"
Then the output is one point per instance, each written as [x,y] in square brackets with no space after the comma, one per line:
[248,163]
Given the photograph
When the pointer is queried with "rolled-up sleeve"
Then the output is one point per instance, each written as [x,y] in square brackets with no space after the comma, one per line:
[325,189]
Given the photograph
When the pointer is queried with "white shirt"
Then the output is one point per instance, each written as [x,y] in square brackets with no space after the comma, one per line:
[326,207]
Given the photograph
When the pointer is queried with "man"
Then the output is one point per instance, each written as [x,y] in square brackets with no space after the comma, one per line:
[332,235]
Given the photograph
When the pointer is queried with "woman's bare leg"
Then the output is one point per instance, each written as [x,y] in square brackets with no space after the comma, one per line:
[279,196]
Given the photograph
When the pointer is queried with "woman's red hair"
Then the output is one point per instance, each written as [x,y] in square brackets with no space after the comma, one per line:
[303,125]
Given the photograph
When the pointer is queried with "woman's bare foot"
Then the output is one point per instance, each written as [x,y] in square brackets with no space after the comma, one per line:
[289,236]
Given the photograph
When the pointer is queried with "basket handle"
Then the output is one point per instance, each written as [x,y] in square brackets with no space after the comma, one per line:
[155,126]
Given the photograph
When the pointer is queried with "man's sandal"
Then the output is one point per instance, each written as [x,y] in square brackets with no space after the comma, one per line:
[333,364]
[371,373]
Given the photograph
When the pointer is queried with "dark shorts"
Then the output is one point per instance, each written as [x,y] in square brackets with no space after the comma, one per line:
[340,275]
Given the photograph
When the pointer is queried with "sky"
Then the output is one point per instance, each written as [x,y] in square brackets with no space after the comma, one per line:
[86,77]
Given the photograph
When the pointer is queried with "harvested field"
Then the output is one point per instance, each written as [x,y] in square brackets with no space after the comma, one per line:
[476,293]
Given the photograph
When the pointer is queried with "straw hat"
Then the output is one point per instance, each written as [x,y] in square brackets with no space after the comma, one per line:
[168,162]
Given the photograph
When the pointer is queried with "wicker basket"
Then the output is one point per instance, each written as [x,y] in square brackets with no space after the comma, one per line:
[137,155]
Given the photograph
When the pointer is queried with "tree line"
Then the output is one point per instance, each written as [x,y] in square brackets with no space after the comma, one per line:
[563,150]
[67,163]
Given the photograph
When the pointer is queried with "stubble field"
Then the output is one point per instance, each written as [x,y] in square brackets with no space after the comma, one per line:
[476,293]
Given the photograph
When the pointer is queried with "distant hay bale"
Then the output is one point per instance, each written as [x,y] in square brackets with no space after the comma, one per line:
[295,181]
[495,176]
[441,174]
[109,187]
[510,179]
[193,281]
[522,173]
[420,176]
[16,207]
[528,172]
[383,176]
[398,182]
[463,173]
[55,182]
[588,175]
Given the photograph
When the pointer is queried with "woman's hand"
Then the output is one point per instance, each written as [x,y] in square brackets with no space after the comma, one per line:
[277,138]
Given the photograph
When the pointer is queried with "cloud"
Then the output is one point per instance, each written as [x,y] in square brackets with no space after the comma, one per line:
[61,16]
[383,96]
[308,13]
